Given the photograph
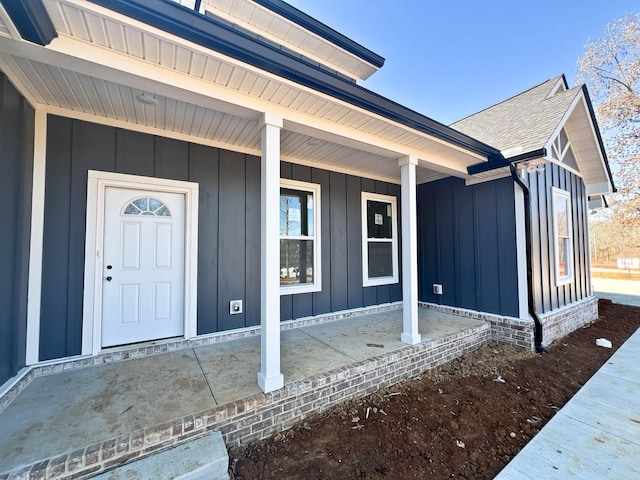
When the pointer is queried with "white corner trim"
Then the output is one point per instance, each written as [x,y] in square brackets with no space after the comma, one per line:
[521,253]
[34,294]
[92,304]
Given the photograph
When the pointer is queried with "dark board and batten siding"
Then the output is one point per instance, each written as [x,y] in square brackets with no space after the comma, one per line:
[549,296]
[341,244]
[229,184]
[467,243]
[228,228]
[16,160]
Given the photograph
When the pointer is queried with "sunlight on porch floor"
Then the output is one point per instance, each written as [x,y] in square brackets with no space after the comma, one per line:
[68,411]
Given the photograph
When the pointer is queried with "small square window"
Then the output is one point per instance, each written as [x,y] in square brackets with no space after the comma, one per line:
[299,237]
[379,240]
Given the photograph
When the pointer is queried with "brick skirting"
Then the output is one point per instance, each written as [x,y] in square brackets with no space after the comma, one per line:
[563,321]
[520,333]
[509,330]
[260,416]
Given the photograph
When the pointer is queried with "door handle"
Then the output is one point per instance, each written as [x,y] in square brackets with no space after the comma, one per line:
[108,279]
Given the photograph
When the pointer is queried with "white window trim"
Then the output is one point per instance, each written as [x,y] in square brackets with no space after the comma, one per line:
[316,286]
[372,282]
[556,194]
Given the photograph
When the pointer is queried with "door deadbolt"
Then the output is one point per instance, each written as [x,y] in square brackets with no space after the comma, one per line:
[109,267]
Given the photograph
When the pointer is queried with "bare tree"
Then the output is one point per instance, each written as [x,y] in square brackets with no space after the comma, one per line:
[610,67]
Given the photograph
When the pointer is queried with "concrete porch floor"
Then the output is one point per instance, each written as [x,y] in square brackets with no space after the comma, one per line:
[69,411]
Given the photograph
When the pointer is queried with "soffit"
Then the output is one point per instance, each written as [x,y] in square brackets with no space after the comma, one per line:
[272,26]
[364,144]
[580,131]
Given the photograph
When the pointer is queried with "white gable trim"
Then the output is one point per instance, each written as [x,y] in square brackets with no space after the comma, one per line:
[581,100]
[562,122]
[558,87]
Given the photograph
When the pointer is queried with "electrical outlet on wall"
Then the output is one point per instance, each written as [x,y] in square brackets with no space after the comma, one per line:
[437,288]
[235,307]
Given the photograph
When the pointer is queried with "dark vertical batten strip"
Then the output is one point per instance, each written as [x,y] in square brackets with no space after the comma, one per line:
[16,160]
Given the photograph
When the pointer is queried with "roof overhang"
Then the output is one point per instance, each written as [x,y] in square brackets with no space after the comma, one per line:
[212,84]
[582,129]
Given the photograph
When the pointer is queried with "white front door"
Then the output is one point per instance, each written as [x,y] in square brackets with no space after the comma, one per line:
[143,266]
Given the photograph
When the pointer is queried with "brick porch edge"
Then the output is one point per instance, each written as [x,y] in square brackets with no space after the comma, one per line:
[518,332]
[259,416]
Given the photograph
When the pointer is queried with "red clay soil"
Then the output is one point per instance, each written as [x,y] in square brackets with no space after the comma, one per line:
[466,419]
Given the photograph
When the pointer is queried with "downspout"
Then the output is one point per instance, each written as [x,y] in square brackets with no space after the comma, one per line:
[537,332]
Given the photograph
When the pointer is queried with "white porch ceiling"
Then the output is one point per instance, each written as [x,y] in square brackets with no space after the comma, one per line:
[102,61]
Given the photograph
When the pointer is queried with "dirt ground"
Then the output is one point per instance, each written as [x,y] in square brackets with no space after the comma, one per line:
[466,419]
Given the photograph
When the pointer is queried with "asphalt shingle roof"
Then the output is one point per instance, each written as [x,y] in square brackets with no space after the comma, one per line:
[526,120]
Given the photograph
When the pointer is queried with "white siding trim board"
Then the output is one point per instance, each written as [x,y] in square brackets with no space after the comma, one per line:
[37,238]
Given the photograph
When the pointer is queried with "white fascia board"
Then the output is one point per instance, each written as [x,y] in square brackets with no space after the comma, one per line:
[599,188]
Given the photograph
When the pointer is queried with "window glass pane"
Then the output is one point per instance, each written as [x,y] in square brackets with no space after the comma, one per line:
[562,221]
[147,206]
[380,259]
[131,210]
[141,203]
[563,260]
[296,262]
[296,213]
[379,219]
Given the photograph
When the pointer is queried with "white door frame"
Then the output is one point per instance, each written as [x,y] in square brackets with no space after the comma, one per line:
[92,307]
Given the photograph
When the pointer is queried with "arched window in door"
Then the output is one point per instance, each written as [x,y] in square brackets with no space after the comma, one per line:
[146,206]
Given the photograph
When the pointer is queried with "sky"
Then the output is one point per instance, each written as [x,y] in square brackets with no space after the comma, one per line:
[450,58]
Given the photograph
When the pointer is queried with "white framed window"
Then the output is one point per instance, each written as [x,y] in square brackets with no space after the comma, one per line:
[299,237]
[563,235]
[379,239]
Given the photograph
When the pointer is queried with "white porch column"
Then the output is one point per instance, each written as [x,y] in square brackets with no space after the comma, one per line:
[270,378]
[410,333]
